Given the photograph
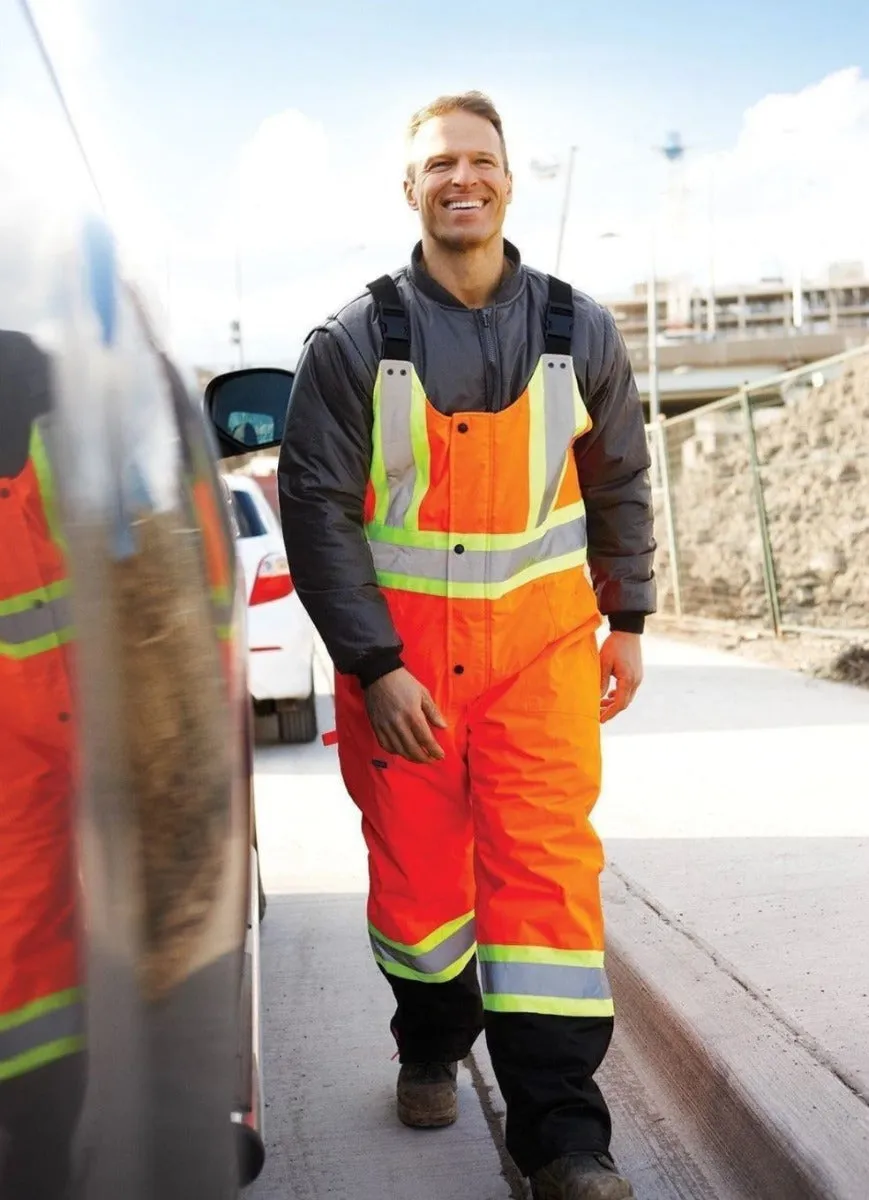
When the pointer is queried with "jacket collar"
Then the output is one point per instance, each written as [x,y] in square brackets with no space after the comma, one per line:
[511,285]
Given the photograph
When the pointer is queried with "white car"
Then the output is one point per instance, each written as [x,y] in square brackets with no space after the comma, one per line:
[280,633]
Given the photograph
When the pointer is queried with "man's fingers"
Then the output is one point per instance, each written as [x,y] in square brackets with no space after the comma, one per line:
[421,732]
[432,712]
[621,699]
[409,739]
[606,671]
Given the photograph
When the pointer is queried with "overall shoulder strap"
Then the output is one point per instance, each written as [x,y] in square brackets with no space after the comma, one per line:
[392,317]
[558,322]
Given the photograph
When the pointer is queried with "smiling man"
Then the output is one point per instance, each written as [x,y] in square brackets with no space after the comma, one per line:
[464,492]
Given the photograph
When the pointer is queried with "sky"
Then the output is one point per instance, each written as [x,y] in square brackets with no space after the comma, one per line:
[251,154]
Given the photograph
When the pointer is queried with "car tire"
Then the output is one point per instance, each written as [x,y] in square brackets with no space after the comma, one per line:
[299,725]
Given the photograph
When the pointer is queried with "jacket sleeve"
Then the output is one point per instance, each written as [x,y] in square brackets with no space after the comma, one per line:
[323,474]
[613,464]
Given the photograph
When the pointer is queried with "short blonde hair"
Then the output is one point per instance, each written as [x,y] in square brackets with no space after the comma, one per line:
[471,102]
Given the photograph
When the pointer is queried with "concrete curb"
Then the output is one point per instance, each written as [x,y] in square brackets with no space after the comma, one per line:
[778,1121]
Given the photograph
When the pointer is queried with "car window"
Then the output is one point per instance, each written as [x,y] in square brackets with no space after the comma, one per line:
[250,523]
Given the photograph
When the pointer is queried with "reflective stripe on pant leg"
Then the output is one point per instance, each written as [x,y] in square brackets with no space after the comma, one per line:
[537,979]
[41,1032]
[438,958]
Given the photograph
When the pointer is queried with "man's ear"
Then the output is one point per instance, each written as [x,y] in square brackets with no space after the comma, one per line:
[509,186]
[409,192]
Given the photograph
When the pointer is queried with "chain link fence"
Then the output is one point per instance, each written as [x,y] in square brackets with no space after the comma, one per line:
[762,503]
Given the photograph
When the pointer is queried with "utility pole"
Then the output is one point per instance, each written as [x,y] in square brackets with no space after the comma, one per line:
[235,330]
[565,208]
[652,323]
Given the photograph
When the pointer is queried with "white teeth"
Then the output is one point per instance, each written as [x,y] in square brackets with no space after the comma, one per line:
[465,204]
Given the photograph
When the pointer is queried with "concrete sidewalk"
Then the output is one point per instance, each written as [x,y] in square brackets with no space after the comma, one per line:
[737,796]
[735,814]
[736,823]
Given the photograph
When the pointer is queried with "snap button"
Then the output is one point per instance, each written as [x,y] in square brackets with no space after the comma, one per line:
[460,549]
[463,428]
[459,669]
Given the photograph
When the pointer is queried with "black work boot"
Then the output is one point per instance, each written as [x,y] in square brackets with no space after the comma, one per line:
[427,1095]
[580,1177]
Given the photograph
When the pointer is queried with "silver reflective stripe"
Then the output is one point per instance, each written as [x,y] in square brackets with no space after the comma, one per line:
[432,962]
[545,979]
[52,1026]
[478,566]
[44,617]
[396,432]
[559,422]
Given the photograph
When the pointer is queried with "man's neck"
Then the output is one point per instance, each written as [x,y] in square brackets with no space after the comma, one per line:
[473,276]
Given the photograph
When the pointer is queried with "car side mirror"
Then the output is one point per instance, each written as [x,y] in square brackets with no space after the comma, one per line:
[248,408]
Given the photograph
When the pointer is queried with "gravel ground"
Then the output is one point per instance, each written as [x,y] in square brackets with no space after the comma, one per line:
[822,657]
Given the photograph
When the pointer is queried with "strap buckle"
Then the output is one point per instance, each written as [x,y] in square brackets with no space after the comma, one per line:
[395,324]
[559,322]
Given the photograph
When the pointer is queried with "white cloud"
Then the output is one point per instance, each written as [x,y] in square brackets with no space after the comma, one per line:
[788,195]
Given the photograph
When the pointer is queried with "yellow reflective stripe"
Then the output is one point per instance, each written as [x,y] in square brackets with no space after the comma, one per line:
[421,450]
[437,540]
[22,650]
[428,943]
[404,972]
[536,445]
[581,413]
[40,1057]
[59,1014]
[556,1006]
[544,955]
[26,600]
[378,477]
[38,1008]
[481,591]
[45,479]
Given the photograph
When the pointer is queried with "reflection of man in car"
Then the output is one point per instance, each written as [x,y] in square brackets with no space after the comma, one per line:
[41,1017]
[246,434]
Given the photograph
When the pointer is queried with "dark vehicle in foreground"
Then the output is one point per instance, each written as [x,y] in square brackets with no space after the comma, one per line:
[129,891]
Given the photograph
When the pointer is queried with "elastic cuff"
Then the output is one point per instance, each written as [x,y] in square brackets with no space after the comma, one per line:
[627,622]
[375,666]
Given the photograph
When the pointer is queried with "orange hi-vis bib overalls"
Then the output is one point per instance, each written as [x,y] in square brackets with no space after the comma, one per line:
[41,1013]
[41,1016]
[477,529]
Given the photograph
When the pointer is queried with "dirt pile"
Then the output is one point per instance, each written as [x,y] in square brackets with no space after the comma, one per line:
[814,459]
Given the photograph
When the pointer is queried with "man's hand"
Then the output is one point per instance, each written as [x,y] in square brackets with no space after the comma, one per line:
[402,713]
[621,659]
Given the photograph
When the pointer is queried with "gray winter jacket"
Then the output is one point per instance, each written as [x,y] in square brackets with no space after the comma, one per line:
[469,360]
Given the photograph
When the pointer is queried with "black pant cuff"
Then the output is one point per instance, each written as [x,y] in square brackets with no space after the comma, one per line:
[418,1050]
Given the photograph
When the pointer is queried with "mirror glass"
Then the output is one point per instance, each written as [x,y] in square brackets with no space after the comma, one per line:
[250,407]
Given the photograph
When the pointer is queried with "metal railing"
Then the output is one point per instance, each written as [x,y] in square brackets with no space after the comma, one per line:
[762,503]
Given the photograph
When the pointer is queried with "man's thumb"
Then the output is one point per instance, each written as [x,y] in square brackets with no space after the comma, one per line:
[432,712]
[606,669]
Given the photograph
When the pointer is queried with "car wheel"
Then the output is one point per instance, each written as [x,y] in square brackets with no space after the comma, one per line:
[299,725]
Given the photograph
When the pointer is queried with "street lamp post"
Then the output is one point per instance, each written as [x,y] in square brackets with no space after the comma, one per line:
[652,323]
[565,208]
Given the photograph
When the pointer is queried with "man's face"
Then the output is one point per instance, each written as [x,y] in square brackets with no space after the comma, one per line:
[457,180]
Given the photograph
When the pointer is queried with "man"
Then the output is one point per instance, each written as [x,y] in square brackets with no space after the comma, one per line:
[42,1066]
[464,440]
